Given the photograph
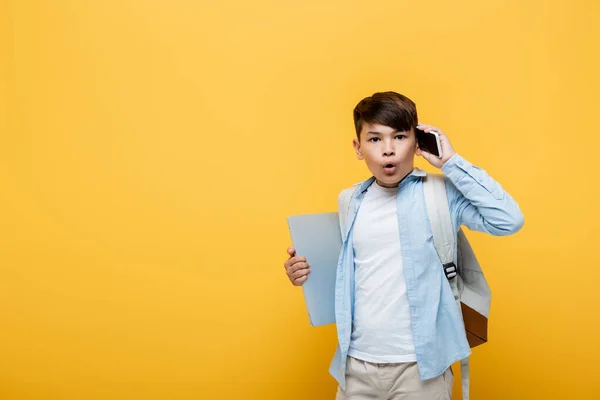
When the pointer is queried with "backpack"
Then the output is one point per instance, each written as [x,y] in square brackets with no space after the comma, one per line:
[466,278]
[469,286]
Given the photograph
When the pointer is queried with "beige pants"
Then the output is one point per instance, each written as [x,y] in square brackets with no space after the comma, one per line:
[369,381]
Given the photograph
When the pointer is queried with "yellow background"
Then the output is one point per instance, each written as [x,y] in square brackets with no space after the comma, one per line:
[151,150]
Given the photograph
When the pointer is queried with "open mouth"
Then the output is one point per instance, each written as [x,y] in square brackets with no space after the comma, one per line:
[389,168]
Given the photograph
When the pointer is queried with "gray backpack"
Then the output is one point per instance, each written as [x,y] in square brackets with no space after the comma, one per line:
[470,288]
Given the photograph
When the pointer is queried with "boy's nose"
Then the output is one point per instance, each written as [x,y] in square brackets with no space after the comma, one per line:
[388,151]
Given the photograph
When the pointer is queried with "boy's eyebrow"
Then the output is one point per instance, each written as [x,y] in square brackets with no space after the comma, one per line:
[379,133]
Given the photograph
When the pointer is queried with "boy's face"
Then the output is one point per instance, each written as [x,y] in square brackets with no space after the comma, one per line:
[389,154]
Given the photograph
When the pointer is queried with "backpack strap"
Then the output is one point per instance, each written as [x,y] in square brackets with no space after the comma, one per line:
[438,210]
[344,207]
[465,374]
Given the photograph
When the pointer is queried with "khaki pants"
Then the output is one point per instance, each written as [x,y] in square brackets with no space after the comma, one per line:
[369,381]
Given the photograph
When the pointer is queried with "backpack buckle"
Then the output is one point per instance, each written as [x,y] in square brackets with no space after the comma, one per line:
[450,270]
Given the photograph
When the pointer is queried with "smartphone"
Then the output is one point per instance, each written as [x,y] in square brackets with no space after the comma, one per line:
[430,142]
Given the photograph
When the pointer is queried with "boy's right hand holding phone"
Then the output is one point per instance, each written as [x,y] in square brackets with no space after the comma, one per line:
[296,268]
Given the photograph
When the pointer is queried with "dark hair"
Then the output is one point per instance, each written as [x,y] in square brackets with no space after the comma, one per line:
[386,108]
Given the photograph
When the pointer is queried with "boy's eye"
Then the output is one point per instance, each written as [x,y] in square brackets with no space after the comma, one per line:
[401,137]
[374,139]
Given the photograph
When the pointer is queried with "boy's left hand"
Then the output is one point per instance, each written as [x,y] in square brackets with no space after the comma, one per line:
[447,149]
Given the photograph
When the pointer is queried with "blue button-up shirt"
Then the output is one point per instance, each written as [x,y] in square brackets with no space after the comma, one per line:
[476,201]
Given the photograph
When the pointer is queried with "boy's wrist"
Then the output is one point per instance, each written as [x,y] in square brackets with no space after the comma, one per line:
[451,161]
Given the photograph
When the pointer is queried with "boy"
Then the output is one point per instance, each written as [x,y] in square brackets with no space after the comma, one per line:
[398,326]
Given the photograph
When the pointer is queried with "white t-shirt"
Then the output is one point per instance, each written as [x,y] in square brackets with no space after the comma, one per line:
[381,331]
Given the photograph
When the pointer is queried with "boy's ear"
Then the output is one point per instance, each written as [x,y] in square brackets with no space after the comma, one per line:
[356,145]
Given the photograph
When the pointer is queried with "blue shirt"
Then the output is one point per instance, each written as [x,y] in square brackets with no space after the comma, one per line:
[476,201]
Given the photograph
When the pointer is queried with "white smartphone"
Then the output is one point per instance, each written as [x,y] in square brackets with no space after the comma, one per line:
[429,141]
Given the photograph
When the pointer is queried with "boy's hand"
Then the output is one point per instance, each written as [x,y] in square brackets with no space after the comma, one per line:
[447,149]
[296,268]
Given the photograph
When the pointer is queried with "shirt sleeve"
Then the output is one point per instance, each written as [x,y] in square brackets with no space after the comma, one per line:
[479,202]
